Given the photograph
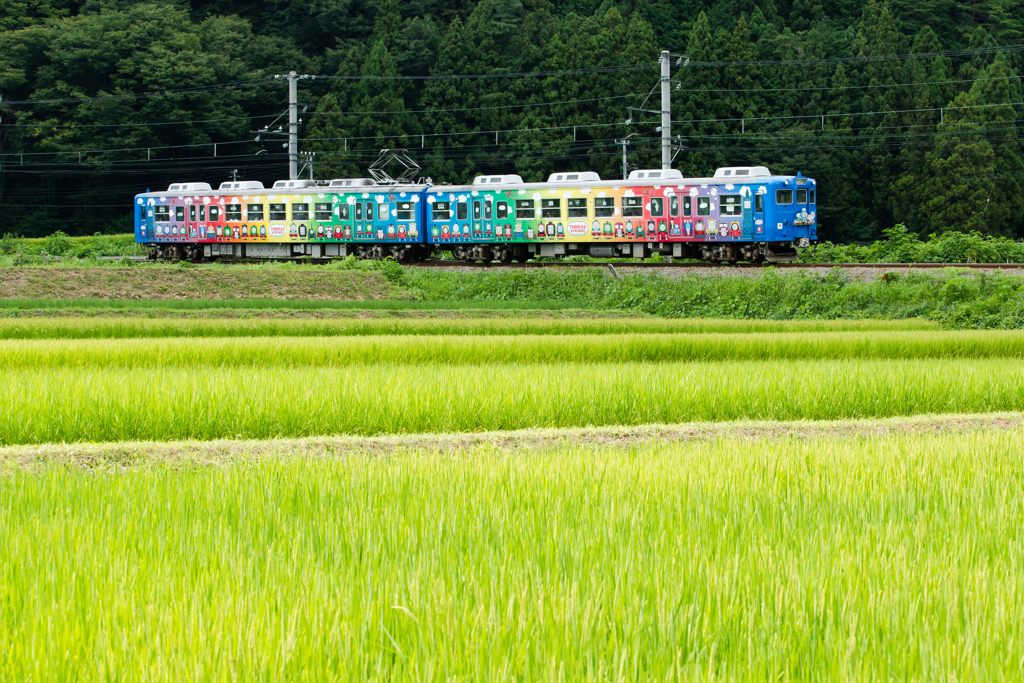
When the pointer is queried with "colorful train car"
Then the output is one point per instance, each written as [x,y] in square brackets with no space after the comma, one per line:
[739,214]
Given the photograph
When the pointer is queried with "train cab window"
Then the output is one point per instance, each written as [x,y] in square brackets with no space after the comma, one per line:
[783,196]
[731,205]
[758,203]
[278,212]
[488,210]
[502,211]
[687,206]
[359,211]
[322,211]
[657,206]
[801,196]
[441,211]
[578,208]
[403,211]
[192,213]
[604,207]
[461,211]
[383,212]
[254,212]
[703,206]
[233,212]
[525,208]
[300,212]
[179,213]
[476,211]
[343,212]
[214,214]
[813,198]
[632,206]
[551,208]
[673,206]
[163,214]
[369,211]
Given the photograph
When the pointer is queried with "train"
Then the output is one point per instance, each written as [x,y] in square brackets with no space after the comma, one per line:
[740,213]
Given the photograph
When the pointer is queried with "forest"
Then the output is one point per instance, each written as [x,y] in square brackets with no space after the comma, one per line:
[905,112]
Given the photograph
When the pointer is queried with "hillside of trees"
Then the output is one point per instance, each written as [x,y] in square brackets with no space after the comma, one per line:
[906,112]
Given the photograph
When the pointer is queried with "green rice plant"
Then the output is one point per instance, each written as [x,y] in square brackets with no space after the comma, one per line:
[127,327]
[41,405]
[320,352]
[828,559]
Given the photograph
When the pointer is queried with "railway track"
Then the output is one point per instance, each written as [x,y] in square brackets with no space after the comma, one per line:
[627,264]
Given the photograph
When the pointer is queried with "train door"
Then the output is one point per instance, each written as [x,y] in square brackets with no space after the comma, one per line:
[675,225]
[371,228]
[488,217]
[192,226]
[477,219]
[748,212]
[759,215]
[360,225]
[802,210]
[201,224]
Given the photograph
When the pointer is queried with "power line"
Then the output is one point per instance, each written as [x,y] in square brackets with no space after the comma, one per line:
[874,58]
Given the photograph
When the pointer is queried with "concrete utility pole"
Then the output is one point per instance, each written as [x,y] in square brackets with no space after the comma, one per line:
[293,121]
[666,111]
[625,161]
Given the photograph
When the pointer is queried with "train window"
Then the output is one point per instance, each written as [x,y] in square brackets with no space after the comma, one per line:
[461,211]
[687,206]
[300,212]
[359,211]
[502,209]
[323,212]
[254,212]
[673,206]
[604,207]
[383,211]
[632,206]
[476,211]
[202,214]
[179,213]
[758,203]
[233,212]
[192,213]
[731,205]
[488,210]
[801,196]
[783,196]
[551,208]
[163,213]
[578,208]
[404,211]
[657,206]
[343,212]
[214,214]
[813,199]
[278,212]
[442,211]
[525,208]
[703,206]
[369,211]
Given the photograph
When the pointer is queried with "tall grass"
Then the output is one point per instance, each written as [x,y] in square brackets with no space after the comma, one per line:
[126,328]
[202,402]
[828,559]
[318,352]
[278,304]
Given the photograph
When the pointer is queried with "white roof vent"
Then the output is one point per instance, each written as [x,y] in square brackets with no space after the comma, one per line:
[351,182]
[189,187]
[288,184]
[656,174]
[582,177]
[743,172]
[242,185]
[509,179]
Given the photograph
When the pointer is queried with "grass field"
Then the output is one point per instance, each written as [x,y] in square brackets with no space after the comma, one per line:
[504,494]
[825,558]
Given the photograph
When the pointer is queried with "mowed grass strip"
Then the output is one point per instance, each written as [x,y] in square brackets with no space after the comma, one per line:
[825,559]
[126,328]
[318,352]
[202,402]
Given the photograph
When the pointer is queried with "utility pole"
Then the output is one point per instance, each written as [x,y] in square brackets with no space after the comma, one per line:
[625,162]
[666,111]
[293,121]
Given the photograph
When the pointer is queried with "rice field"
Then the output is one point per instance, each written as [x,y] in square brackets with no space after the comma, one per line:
[754,553]
[827,559]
